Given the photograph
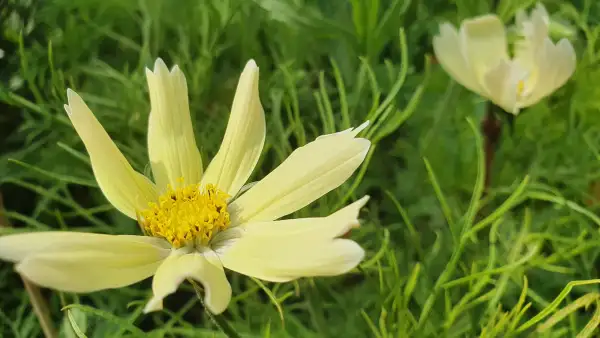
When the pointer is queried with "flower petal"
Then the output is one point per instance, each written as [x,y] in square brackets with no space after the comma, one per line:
[330,227]
[205,269]
[83,262]
[126,189]
[484,42]
[556,65]
[538,15]
[307,174]
[280,251]
[449,53]
[529,49]
[502,85]
[244,137]
[171,145]
[533,32]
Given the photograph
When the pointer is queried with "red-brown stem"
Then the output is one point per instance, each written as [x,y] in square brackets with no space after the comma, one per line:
[491,128]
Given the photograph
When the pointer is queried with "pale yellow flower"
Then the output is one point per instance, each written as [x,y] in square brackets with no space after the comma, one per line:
[194,221]
[477,57]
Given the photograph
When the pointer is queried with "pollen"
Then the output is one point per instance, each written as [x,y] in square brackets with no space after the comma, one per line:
[186,216]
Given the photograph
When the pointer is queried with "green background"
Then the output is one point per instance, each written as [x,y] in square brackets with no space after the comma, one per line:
[443,259]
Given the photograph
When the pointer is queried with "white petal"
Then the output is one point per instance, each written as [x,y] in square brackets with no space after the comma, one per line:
[501,84]
[540,17]
[484,42]
[171,144]
[177,267]
[536,24]
[533,33]
[126,189]
[280,251]
[555,68]
[329,227]
[290,259]
[244,137]
[307,174]
[449,53]
[83,262]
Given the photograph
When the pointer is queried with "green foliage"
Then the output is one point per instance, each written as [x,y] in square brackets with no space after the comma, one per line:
[444,257]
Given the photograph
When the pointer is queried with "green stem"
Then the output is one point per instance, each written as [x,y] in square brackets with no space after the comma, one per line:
[444,276]
[219,321]
[467,224]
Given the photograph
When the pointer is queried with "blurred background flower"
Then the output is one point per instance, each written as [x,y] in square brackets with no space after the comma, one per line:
[477,56]
[440,260]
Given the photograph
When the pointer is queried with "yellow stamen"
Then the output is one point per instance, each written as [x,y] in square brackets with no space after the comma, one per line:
[520,87]
[187,216]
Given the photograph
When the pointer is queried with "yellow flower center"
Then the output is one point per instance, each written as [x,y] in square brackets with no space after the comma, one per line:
[186,216]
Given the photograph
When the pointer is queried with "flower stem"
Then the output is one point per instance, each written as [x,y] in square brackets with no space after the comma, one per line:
[38,302]
[491,128]
[218,320]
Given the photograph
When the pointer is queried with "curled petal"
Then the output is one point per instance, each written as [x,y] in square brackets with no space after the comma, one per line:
[205,269]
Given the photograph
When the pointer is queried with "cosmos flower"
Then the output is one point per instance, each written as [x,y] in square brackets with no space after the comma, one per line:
[476,56]
[197,222]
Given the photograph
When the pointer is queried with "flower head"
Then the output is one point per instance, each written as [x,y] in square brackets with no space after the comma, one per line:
[197,222]
[477,57]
